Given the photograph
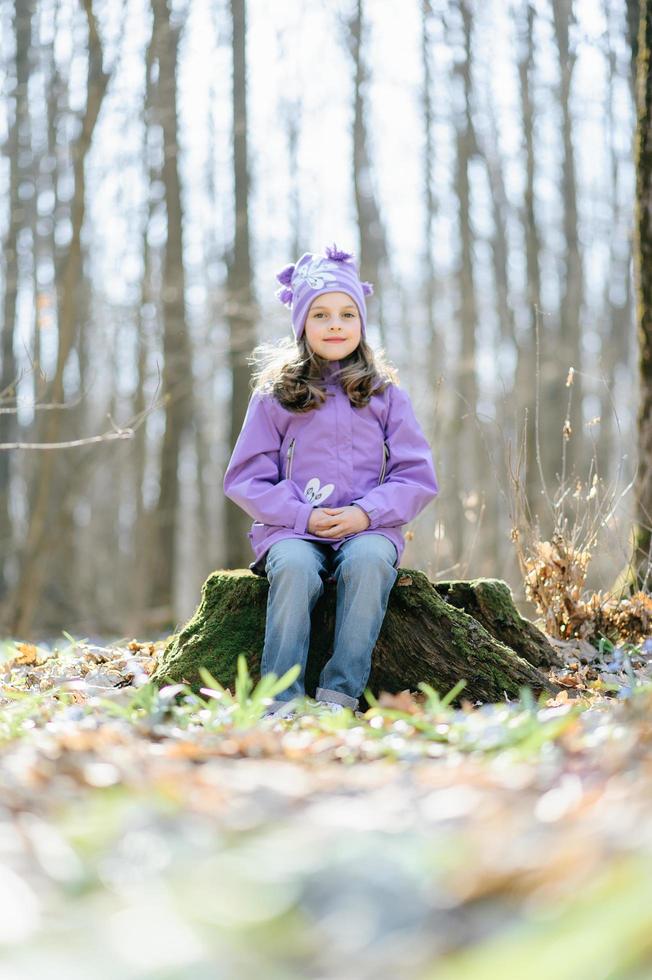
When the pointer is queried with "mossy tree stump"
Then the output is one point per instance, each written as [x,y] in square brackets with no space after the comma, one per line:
[490,601]
[434,633]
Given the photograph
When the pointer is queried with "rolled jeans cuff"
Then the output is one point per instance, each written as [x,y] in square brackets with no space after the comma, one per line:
[324,694]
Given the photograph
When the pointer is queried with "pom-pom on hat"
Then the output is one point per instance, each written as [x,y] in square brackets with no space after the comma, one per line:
[312,275]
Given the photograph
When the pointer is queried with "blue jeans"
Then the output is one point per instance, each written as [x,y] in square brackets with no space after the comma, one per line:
[364,572]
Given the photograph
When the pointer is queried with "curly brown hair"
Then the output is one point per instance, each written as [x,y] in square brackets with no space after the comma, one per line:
[294,373]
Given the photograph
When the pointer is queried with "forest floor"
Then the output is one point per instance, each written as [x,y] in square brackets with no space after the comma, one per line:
[153,833]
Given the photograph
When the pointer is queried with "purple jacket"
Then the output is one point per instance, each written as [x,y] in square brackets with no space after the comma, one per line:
[285,463]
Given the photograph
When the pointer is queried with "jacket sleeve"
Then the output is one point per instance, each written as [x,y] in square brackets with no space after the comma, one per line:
[253,475]
[410,480]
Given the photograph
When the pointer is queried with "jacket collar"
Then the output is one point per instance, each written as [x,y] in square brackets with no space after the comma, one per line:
[331,369]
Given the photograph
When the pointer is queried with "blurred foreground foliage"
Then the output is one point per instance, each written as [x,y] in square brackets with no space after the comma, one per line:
[158,833]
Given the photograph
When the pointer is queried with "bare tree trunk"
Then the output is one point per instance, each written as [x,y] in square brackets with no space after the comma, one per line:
[373,259]
[571,301]
[637,576]
[633,14]
[142,556]
[241,305]
[464,432]
[618,312]
[434,360]
[177,360]
[30,585]
[528,392]
[62,575]
[494,542]
[17,137]
[295,200]
[291,115]
[433,366]
[144,520]
[58,567]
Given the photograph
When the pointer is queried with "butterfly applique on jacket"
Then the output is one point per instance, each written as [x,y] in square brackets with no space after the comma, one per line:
[315,493]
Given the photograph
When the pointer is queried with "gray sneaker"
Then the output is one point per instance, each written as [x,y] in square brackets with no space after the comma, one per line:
[333,706]
[281,709]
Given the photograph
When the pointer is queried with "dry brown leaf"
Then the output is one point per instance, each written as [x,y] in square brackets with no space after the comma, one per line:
[403,701]
[568,680]
[185,749]
[560,699]
[89,740]
[136,647]
[28,654]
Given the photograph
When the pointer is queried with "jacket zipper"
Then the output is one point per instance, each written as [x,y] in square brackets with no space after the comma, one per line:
[385,455]
[290,456]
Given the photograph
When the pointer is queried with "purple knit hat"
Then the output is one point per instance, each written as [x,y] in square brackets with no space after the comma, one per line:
[333,272]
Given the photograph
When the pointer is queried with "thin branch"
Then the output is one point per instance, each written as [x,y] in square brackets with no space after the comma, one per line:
[126,433]
[42,407]
[118,432]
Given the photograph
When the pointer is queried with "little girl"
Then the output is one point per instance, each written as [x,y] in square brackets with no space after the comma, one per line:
[330,462]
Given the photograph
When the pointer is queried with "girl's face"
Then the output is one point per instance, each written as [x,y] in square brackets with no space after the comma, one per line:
[333,326]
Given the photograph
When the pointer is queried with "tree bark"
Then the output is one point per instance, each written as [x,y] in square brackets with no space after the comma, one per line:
[30,584]
[633,17]
[177,360]
[618,338]
[18,137]
[528,380]
[241,309]
[435,350]
[374,264]
[490,601]
[637,575]
[494,542]
[470,452]
[573,284]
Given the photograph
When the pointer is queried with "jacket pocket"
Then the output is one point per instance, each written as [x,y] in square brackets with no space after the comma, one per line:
[257,533]
[289,456]
[384,466]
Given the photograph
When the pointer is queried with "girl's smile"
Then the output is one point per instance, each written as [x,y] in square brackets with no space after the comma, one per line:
[333,327]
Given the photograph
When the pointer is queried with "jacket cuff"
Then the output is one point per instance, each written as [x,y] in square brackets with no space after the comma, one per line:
[303,516]
[365,512]
[371,512]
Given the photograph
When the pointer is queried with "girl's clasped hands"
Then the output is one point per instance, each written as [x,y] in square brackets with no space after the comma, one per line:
[337,522]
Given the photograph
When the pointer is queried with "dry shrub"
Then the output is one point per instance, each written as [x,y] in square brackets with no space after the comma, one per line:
[555,570]
[555,578]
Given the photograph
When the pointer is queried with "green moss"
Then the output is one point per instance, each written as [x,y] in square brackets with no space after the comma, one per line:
[490,601]
[230,620]
[491,596]
[488,665]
